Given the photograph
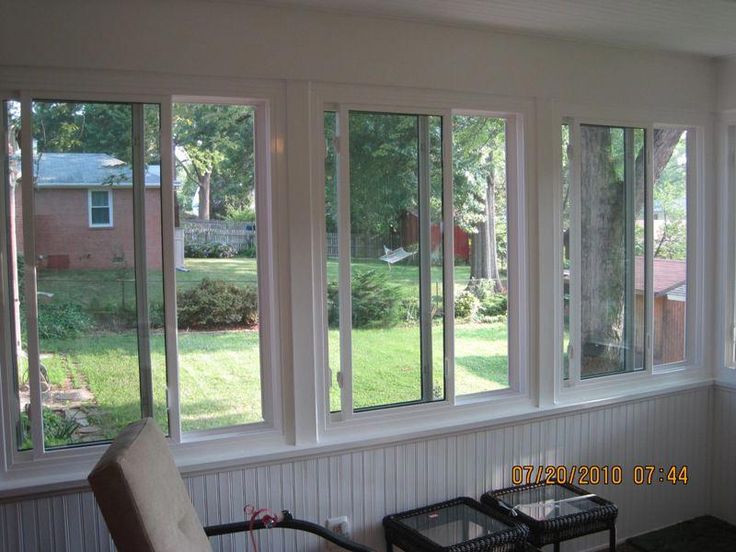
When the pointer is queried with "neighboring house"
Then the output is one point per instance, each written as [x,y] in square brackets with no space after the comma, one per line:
[409,231]
[84,212]
[670,295]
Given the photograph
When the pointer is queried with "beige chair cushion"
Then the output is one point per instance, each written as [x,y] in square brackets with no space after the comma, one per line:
[142,496]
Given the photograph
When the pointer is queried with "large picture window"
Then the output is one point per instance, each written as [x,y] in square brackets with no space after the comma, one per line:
[386,292]
[624,243]
[387,223]
[160,314]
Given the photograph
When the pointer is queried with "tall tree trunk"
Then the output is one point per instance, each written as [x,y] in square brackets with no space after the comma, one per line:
[204,195]
[483,247]
[603,250]
[604,254]
[493,273]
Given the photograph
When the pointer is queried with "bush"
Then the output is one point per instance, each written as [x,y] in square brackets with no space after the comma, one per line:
[494,305]
[217,304]
[466,305]
[482,288]
[58,430]
[409,308]
[209,250]
[375,301]
[61,320]
[249,251]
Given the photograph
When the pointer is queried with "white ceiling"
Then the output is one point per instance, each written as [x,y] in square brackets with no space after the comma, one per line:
[706,27]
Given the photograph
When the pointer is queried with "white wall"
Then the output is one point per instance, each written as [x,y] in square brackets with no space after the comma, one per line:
[239,39]
[367,484]
[727,83]
[204,39]
[723,476]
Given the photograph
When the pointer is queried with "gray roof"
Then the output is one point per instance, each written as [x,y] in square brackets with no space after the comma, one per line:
[88,169]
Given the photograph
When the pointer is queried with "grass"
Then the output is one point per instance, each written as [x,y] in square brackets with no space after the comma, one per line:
[219,376]
[219,380]
[102,289]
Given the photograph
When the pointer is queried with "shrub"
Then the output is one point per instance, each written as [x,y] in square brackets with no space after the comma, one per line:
[375,301]
[482,288]
[249,251]
[466,305]
[209,250]
[217,304]
[409,308]
[57,428]
[61,320]
[494,305]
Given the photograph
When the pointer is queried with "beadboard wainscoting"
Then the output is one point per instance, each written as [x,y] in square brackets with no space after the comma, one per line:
[723,476]
[365,484]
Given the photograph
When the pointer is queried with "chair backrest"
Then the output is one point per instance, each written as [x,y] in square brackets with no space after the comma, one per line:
[142,496]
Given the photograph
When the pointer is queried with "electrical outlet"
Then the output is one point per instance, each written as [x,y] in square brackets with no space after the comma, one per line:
[339,525]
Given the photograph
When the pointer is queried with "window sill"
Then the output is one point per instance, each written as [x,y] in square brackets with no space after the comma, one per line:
[243,451]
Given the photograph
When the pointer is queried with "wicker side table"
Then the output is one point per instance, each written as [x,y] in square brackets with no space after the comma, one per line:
[555,512]
[458,525]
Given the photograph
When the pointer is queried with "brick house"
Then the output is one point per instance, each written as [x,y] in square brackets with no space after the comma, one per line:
[84,212]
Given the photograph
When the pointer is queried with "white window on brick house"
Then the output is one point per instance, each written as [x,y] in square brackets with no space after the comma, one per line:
[100,208]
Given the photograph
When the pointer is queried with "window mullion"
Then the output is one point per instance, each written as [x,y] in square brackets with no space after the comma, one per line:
[649,249]
[169,269]
[692,217]
[575,245]
[29,247]
[141,268]
[425,258]
[630,239]
[448,261]
[345,270]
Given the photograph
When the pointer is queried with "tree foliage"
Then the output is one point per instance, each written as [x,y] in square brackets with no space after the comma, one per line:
[214,147]
[74,127]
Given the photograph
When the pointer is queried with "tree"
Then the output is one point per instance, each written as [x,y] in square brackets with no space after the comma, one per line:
[479,155]
[605,256]
[214,150]
[74,127]
[383,172]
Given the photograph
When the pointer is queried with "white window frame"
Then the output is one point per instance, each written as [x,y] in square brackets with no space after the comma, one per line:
[726,158]
[109,208]
[21,468]
[693,368]
[453,409]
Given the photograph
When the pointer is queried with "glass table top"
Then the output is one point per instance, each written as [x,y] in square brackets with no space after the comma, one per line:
[454,524]
[549,502]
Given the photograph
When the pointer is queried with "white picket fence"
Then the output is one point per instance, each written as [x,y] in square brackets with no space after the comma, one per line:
[243,234]
[238,234]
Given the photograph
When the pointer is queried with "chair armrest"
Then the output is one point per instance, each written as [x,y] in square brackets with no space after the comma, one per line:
[288,522]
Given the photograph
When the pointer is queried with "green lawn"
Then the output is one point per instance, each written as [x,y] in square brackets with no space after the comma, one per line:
[100,289]
[219,378]
[218,371]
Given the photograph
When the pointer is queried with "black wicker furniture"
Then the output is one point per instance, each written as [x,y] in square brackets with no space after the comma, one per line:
[555,512]
[458,525]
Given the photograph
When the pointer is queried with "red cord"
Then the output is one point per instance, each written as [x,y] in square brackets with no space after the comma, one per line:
[268,518]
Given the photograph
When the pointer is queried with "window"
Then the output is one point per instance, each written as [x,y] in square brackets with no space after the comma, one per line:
[100,208]
[84,347]
[481,238]
[386,218]
[385,291]
[217,271]
[624,244]
[670,235]
[162,314]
